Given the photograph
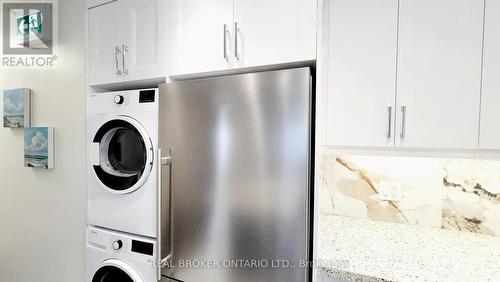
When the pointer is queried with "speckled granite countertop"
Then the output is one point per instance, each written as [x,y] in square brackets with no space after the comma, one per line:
[361,250]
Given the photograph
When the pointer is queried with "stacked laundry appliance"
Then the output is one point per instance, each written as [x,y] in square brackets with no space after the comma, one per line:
[122,137]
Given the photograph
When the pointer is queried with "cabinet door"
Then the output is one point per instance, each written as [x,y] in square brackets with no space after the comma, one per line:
[490,101]
[198,35]
[144,42]
[104,28]
[277,31]
[439,73]
[361,72]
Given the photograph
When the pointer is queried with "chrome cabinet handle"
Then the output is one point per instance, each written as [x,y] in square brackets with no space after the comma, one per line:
[403,122]
[225,54]
[236,45]
[389,122]
[118,51]
[160,261]
[124,55]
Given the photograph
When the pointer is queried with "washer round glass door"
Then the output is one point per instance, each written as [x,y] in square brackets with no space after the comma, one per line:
[113,270]
[125,155]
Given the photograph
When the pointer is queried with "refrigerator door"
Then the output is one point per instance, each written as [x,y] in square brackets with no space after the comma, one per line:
[240,176]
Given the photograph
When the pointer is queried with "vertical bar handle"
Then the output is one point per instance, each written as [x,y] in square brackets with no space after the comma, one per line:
[403,122]
[389,122]
[118,51]
[225,54]
[158,217]
[124,55]
[236,43]
[160,261]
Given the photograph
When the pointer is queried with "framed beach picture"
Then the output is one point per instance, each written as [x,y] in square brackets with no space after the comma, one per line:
[17,108]
[39,147]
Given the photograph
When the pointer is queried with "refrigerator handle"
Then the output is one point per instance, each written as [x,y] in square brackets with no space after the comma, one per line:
[161,261]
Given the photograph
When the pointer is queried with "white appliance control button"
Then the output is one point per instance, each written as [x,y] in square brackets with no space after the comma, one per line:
[117,245]
[118,99]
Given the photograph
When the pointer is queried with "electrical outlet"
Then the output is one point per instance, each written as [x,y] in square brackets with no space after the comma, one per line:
[389,191]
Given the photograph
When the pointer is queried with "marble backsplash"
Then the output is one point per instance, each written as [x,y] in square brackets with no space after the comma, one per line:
[455,194]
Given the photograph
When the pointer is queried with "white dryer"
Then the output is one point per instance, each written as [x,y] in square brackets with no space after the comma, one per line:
[119,257]
[122,139]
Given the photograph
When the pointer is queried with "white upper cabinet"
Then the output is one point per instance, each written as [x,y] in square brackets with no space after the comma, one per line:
[201,35]
[274,32]
[407,74]
[144,47]
[490,102]
[104,33]
[362,43]
[216,35]
[127,41]
[439,73]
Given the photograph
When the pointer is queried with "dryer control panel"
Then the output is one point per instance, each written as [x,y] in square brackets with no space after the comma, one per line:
[144,100]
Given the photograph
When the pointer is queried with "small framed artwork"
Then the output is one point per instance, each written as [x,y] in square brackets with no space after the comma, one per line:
[17,108]
[39,147]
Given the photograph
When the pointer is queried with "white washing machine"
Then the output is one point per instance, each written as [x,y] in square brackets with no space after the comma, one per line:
[122,140]
[118,257]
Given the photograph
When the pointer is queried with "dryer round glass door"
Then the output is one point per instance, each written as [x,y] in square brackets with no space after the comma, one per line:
[125,155]
[116,271]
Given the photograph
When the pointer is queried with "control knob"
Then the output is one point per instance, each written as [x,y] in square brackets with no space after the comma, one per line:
[118,99]
[118,244]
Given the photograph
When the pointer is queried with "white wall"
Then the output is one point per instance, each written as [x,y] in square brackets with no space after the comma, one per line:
[42,213]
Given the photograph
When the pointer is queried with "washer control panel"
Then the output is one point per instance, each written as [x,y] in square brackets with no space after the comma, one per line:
[120,243]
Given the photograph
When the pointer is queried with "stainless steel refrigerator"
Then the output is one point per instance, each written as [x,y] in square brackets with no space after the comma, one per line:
[235,168]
